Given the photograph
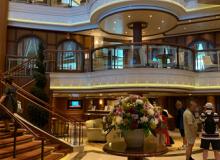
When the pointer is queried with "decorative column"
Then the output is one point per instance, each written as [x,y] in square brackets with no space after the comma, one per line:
[137,30]
[3,32]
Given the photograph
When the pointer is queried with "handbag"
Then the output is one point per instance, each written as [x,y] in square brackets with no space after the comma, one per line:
[19,108]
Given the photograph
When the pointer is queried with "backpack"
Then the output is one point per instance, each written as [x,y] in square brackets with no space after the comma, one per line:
[209,124]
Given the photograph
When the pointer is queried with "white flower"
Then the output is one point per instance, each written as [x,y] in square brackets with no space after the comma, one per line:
[139,101]
[150,112]
[144,119]
[118,120]
[153,123]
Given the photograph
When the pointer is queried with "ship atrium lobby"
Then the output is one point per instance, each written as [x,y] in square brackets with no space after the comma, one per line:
[109,79]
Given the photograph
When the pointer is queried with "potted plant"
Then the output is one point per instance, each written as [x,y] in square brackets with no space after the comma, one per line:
[136,117]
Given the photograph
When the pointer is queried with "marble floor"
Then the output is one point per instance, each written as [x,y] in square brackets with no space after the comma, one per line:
[93,151]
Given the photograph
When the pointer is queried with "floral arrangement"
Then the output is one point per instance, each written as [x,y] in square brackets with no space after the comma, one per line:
[134,112]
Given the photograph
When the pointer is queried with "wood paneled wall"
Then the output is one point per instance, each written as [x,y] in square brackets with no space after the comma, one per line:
[213,37]
[3,32]
[51,39]
[60,105]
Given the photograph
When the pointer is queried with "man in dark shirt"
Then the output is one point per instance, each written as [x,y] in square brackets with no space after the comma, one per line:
[210,134]
[179,122]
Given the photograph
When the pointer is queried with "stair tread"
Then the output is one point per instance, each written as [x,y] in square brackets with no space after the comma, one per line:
[19,147]
[19,138]
[55,146]
[30,155]
[54,156]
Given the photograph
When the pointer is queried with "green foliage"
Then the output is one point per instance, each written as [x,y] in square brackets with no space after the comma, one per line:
[37,115]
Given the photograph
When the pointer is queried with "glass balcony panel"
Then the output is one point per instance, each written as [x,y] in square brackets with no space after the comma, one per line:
[207,61]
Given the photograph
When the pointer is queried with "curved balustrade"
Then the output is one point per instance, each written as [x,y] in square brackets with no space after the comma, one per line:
[56,3]
[142,55]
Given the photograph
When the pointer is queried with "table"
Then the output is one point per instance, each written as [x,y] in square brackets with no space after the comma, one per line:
[149,150]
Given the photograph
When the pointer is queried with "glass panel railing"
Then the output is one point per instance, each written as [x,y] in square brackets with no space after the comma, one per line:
[56,3]
[207,60]
[143,55]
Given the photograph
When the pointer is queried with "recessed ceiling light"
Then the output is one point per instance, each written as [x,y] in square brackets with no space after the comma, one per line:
[129,16]
[126,32]
[158,28]
[143,32]
[190,21]
[184,28]
[162,21]
[150,16]
[115,22]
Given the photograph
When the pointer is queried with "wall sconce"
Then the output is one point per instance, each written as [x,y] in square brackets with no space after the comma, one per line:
[86,55]
[101,101]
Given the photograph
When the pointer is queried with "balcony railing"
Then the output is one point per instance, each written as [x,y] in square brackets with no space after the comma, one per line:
[142,55]
[55,3]
[145,55]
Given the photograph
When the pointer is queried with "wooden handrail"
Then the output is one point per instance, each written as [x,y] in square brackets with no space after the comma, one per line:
[18,66]
[20,122]
[39,105]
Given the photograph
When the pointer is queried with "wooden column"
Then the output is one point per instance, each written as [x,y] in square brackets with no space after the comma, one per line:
[3,32]
[137,32]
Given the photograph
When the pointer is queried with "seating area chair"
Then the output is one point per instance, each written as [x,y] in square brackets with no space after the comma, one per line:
[95,131]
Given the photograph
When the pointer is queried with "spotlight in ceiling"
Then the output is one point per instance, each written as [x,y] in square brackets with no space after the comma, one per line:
[162,21]
[150,16]
[184,28]
[129,16]
[158,28]
[115,22]
[190,21]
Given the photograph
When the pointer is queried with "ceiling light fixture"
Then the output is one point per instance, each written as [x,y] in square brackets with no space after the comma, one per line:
[150,16]
[129,16]
[162,21]
[115,22]
[158,28]
[190,21]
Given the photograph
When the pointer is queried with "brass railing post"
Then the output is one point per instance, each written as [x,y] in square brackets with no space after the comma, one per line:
[15,135]
[42,149]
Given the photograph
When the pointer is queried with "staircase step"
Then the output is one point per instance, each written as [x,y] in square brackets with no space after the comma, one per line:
[55,146]
[54,156]
[21,148]
[2,125]
[4,135]
[3,129]
[64,151]
[31,155]
[19,140]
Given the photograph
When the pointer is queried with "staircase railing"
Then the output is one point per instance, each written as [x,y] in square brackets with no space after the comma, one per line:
[68,131]
[18,123]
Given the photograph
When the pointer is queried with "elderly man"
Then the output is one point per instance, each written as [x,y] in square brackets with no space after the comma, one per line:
[190,127]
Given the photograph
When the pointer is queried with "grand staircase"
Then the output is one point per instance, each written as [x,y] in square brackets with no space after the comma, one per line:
[27,141]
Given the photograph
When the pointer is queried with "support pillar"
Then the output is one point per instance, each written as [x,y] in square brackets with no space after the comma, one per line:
[4,4]
[137,30]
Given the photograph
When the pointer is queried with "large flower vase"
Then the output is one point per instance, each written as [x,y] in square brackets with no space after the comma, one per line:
[134,138]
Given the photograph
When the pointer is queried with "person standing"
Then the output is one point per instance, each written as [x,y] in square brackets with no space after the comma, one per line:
[179,122]
[9,100]
[190,127]
[210,134]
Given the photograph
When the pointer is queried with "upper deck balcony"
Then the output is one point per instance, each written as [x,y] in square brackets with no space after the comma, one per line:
[53,3]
